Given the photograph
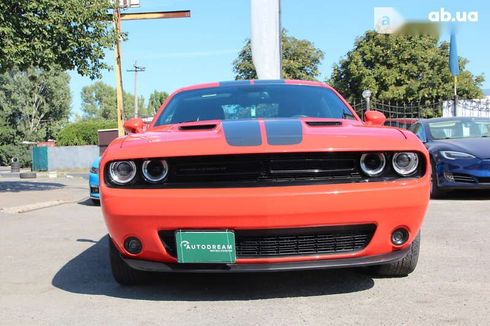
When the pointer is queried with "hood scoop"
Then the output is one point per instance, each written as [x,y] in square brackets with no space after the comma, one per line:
[323,123]
[208,126]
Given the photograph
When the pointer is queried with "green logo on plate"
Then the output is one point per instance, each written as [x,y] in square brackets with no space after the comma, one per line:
[205,246]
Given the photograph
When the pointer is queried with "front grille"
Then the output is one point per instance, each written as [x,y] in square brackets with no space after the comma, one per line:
[264,168]
[464,178]
[257,170]
[292,242]
[484,180]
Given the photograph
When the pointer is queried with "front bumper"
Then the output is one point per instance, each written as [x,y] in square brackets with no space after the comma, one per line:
[142,213]
[463,174]
[151,266]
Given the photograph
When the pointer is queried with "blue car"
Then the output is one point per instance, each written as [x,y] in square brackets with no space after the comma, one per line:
[460,152]
[93,181]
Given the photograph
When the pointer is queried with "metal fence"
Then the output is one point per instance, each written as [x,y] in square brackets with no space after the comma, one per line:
[396,110]
[427,109]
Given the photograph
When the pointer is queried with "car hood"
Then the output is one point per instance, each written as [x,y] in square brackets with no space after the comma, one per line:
[480,147]
[262,136]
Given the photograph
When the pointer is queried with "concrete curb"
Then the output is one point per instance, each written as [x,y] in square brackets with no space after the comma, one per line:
[35,206]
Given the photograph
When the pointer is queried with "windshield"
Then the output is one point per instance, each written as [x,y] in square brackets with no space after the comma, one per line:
[452,129]
[253,102]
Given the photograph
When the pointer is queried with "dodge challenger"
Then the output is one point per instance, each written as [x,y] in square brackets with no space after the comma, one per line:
[249,176]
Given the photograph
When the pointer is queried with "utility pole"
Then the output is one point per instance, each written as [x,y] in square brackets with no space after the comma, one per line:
[136,69]
[119,83]
[118,17]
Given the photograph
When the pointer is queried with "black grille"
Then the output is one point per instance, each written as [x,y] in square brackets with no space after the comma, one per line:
[464,178]
[264,168]
[256,170]
[292,242]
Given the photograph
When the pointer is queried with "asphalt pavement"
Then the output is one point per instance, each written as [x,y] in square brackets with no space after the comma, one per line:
[55,270]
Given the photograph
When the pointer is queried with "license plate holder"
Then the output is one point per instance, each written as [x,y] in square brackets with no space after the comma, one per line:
[205,246]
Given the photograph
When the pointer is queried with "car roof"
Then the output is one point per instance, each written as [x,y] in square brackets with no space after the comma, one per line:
[453,119]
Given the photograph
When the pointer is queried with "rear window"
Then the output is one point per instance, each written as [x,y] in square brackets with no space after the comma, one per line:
[253,102]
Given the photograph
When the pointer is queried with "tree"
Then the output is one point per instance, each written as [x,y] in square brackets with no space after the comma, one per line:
[300,60]
[155,101]
[34,104]
[402,67]
[99,102]
[83,132]
[70,34]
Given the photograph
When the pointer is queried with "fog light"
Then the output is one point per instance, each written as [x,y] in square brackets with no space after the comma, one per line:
[399,236]
[448,176]
[133,245]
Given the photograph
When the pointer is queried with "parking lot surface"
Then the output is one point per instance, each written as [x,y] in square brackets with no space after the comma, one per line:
[54,269]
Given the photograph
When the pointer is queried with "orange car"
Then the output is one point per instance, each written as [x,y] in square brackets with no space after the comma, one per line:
[249,176]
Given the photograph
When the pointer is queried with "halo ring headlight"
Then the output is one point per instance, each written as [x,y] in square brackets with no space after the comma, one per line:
[122,172]
[155,170]
[373,164]
[405,163]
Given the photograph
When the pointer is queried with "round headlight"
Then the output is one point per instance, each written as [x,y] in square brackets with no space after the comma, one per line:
[405,163]
[155,170]
[373,164]
[122,172]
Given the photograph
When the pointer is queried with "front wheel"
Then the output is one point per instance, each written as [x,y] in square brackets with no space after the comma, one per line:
[122,273]
[402,267]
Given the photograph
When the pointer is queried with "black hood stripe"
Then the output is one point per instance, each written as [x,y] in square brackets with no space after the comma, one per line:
[284,132]
[242,133]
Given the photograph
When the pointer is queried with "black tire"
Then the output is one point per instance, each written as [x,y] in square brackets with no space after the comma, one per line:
[122,273]
[402,267]
[435,191]
[28,175]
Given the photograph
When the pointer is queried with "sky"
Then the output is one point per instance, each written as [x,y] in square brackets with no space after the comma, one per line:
[186,51]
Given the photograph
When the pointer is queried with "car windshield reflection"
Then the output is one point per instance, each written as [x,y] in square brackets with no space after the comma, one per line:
[460,128]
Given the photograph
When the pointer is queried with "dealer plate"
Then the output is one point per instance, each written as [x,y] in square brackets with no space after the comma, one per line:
[205,246]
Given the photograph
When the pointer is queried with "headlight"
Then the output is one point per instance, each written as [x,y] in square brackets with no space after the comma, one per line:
[451,155]
[94,170]
[373,164]
[155,170]
[405,163]
[122,172]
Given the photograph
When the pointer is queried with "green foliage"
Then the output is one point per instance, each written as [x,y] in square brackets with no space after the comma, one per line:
[70,34]
[83,132]
[155,101]
[300,60]
[22,152]
[402,67]
[34,104]
[99,102]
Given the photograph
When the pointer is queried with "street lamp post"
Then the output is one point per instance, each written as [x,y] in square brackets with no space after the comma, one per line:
[367,96]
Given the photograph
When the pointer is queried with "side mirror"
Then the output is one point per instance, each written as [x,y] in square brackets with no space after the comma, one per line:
[134,125]
[374,118]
